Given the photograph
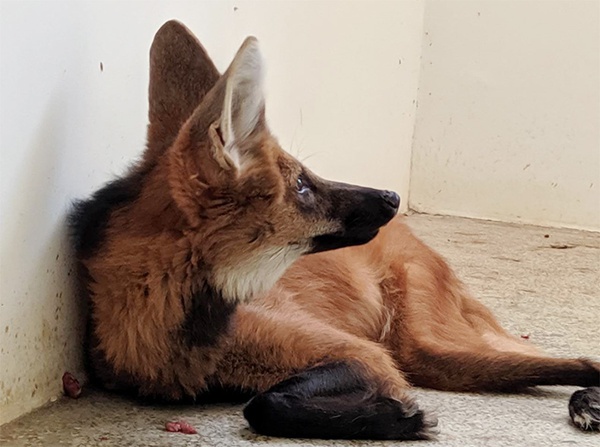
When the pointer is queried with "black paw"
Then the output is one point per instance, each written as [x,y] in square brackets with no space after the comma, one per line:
[584,409]
[403,421]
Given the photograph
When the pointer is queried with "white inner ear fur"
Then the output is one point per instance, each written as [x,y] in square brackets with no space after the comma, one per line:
[244,98]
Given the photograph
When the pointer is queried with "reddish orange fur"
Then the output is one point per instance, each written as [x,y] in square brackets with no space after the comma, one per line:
[392,305]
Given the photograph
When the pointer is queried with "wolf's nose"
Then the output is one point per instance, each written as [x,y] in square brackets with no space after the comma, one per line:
[391,198]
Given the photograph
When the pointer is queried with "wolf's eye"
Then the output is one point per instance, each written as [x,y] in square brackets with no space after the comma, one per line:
[302,186]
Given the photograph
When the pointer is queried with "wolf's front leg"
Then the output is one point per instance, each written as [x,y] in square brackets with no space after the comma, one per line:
[315,380]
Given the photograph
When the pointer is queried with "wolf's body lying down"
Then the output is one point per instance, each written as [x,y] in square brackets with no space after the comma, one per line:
[195,267]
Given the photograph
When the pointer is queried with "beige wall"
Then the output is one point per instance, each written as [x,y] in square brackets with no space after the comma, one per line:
[337,96]
[509,112]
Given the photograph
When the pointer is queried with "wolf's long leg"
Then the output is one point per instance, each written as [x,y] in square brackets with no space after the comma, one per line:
[449,341]
[317,381]
[267,346]
[314,370]
[498,371]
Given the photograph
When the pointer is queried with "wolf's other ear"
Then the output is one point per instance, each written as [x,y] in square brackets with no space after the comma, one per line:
[181,73]
[243,111]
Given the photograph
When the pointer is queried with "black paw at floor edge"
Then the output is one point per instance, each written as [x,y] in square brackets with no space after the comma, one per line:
[584,409]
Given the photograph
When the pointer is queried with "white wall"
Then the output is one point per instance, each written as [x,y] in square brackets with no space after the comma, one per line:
[509,112]
[341,82]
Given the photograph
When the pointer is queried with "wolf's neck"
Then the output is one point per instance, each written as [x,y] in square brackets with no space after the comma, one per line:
[251,277]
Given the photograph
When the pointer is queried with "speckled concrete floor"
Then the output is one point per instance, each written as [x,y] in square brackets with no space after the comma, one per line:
[540,281]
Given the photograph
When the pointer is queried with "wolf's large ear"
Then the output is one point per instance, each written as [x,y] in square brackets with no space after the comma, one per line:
[219,140]
[181,73]
[244,103]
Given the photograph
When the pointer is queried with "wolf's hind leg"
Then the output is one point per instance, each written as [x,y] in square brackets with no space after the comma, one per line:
[498,371]
[334,401]
[452,342]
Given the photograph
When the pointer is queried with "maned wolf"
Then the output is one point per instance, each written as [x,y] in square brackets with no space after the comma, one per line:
[197,281]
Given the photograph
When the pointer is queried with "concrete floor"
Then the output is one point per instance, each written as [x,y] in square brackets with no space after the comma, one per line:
[541,282]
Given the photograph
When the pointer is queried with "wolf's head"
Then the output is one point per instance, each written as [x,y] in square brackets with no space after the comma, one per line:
[249,208]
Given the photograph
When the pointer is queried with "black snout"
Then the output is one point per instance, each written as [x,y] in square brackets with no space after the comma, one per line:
[391,199]
[360,213]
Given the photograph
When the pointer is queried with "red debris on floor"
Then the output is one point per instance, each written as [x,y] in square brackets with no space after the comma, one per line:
[180,426]
[71,385]
[525,337]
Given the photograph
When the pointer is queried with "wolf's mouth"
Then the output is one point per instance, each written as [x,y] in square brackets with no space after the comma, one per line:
[332,241]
